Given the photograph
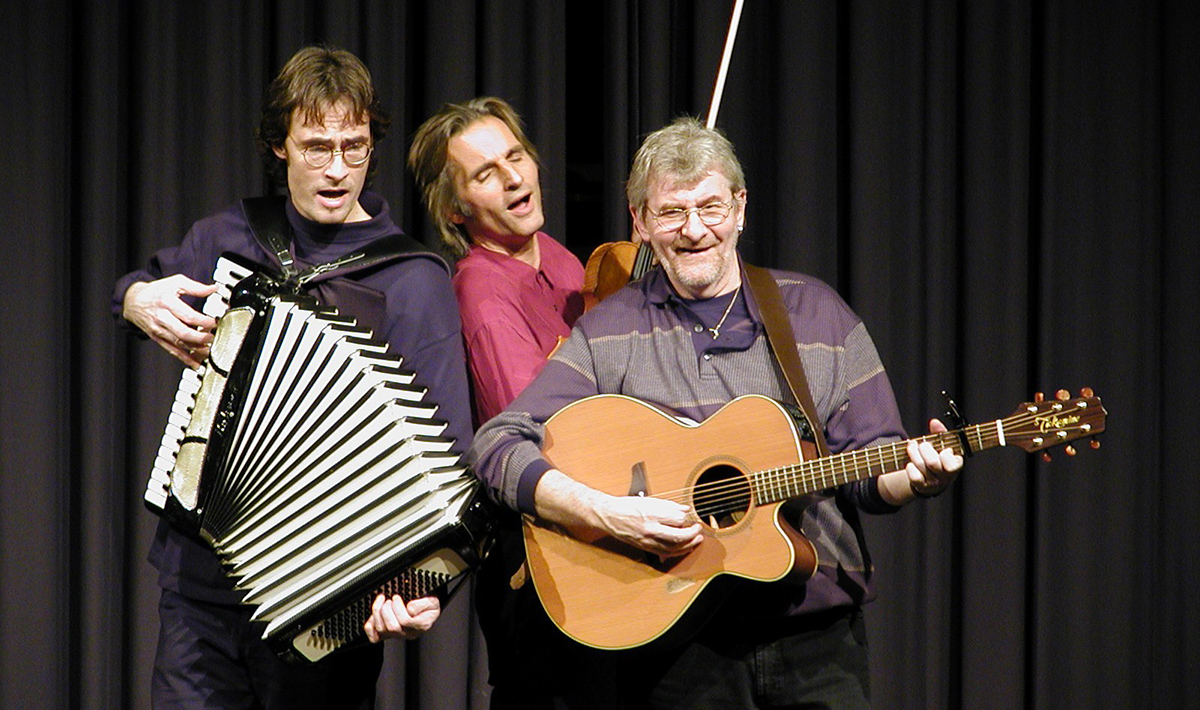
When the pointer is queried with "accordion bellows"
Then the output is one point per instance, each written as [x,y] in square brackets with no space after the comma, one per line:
[306,456]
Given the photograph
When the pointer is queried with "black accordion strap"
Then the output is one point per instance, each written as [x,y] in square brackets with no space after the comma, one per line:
[268,220]
[783,344]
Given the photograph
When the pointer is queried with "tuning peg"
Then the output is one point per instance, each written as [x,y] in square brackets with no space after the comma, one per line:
[1046,456]
[1062,395]
[1039,397]
[1095,443]
[1087,392]
[1070,450]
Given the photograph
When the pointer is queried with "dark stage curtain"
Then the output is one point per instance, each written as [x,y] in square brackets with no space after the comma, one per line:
[1006,192]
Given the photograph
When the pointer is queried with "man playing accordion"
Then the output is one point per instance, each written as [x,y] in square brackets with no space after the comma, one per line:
[320,124]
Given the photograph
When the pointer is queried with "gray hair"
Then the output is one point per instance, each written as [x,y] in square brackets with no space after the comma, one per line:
[683,153]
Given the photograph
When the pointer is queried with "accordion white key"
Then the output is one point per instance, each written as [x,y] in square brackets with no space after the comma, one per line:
[307,458]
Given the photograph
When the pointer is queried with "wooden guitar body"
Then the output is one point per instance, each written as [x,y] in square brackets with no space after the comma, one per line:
[734,471]
[609,595]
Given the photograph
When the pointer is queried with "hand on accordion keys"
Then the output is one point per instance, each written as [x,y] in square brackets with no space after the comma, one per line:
[393,618]
[158,309]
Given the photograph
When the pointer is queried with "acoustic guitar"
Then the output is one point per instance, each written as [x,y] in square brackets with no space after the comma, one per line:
[734,470]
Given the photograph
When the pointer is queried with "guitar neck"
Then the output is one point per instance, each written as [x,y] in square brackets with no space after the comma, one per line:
[779,484]
[1033,426]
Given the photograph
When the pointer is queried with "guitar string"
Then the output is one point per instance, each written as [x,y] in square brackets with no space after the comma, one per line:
[711,492]
[825,469]
[794,477]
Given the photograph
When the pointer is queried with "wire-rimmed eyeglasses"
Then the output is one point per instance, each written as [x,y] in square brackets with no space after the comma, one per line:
[711,215]
[354,155]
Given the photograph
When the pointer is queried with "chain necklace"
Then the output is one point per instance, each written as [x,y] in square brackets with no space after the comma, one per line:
[716,329]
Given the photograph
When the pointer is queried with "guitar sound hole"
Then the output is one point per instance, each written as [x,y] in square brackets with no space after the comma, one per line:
[721,496]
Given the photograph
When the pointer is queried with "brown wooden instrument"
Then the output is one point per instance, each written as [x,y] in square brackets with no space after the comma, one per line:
[734,470]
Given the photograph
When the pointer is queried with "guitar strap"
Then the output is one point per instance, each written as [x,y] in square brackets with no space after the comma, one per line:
[783,344]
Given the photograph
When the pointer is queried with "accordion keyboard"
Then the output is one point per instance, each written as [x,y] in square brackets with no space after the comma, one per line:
[226,275]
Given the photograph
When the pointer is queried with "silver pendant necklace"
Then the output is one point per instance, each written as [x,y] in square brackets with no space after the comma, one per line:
[716,329]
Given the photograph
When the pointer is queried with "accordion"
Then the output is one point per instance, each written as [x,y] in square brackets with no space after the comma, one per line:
[306,456]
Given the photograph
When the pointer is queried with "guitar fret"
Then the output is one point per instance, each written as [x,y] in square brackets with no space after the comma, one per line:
[881,456]
[822,473]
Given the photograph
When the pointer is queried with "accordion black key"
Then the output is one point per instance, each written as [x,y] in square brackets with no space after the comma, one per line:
[306,456]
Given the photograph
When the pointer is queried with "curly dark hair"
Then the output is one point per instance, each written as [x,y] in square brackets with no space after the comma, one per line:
[313,79]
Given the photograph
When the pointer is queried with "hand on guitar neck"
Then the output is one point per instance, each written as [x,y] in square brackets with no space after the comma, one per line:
[928,472]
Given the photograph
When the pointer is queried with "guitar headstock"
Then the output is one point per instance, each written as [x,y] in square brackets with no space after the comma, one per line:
[1043,423]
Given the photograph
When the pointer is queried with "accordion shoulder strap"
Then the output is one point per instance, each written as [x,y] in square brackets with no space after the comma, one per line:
[267,217]
[268,221]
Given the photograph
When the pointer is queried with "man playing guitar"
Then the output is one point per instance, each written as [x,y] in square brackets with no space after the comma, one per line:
[689,339]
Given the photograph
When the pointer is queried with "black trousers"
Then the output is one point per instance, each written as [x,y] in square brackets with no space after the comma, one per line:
[814,662]
[210,656]
[818,663]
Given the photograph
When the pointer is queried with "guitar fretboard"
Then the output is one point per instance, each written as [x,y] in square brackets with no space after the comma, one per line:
[1034,427]
[778,484]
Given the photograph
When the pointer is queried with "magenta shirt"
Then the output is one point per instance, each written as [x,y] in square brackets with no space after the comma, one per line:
[512,317]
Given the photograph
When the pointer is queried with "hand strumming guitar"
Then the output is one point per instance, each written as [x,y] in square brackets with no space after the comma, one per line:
[659,526]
